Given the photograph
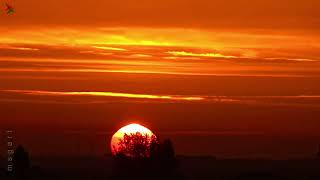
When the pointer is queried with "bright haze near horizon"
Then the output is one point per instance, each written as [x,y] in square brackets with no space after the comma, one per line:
[231,78]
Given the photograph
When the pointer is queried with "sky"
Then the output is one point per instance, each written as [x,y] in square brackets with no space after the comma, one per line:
[232,71]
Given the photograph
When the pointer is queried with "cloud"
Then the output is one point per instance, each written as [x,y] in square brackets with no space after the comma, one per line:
[280,100]
[109,48]
[153,71]
[141,56]
[292,59]
[110,94]
[214,55]
[160,51]
[19,48]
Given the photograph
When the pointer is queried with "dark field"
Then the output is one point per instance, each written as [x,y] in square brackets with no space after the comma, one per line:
[187,168]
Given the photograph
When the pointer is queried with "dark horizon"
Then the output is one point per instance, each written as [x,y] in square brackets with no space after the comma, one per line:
[221,145]
[225,78]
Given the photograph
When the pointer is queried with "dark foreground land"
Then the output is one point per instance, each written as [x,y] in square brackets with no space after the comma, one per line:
[95,168]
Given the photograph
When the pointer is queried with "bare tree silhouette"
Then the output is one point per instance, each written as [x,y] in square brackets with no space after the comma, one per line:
[135,145]
[21,161]
[142,157]
[154,148]
[168,151]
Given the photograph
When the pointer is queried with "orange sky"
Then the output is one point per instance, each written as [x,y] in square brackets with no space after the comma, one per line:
[233,31]
[238,66]
[239,14]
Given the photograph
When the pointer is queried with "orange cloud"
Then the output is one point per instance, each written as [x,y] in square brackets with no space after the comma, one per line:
[294,100]
[111,94]
[92,70]
[109,48]
[18,48]
[111,38]
[292,59]
[214,55]
[141,56]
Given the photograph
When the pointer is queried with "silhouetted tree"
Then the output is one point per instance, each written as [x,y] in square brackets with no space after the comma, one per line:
[135,145]
[21,161]
[143,157]
[168,149]
[154,148]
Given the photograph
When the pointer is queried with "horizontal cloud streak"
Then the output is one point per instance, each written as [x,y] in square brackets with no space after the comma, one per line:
[109,48]
[214,55]
[8,47]
[92,70]
[293,100]
[109,94]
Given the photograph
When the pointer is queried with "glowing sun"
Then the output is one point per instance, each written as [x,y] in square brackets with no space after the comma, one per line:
[129,129]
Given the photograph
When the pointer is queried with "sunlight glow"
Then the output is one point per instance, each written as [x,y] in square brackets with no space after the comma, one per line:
[129,129]
[132,128]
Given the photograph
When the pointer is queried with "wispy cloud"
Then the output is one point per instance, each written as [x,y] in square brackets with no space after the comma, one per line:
[214,55]
[292,59]
[8,47]
[109,48]
[109,94]
[294,100]
[93,70]
[141,56]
